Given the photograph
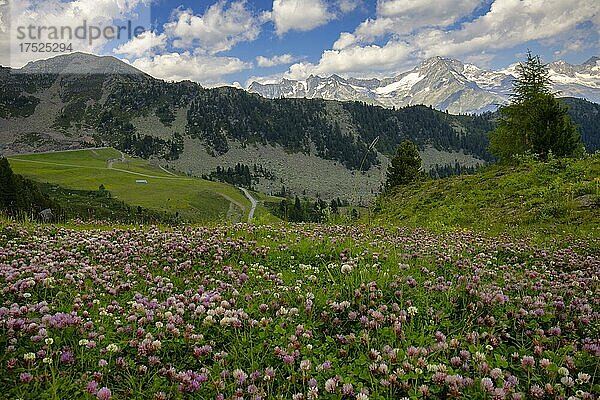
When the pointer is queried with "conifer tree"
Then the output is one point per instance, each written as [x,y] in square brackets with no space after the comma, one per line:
[535,121]
[8,191]
[404,167]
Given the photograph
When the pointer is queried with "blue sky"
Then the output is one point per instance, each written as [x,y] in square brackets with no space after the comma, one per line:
[221,42]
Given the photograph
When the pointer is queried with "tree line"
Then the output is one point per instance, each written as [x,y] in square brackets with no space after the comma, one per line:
[19,195]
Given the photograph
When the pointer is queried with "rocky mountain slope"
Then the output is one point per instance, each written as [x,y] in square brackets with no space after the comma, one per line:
[446,84]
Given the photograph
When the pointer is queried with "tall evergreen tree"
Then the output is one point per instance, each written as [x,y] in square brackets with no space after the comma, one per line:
[535,121]
[404,166]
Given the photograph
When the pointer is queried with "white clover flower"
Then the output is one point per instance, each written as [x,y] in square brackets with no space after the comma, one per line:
[563,371]
[27,295]
[29,356]
[305,365]
[330,385]
[583,377]
[47,360]
[112,348]
[362,396]
[412,311]
[567,381]
[346,268]
[84,342]
[282,311]
[49,341]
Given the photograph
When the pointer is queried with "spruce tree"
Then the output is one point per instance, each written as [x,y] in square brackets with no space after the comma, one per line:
[404,167]
[535,121]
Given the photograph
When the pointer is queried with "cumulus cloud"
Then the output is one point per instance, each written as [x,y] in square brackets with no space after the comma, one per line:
[73,14]
[428,29]
[206,69]
[142,45]
[262,61]
[439,12]
[347,6]
[354,60]
[509,23]
[299,15]
[401,17]
[220,28]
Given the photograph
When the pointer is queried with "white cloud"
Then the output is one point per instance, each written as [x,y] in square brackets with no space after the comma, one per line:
[510,23]
[346,40]
[219,29]
[299,15]
[401,17]
[142,45]
[347,6]
[262,61]
[3,11]
[439,12]
[355,60]
[424,25]
[72,14]
[205,69]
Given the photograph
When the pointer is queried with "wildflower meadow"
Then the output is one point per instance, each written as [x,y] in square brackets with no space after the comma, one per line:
[295,312]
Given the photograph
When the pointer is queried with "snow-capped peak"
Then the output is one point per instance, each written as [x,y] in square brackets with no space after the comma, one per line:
[444,83]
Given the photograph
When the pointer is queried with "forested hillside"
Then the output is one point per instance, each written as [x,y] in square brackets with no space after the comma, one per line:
[102,109]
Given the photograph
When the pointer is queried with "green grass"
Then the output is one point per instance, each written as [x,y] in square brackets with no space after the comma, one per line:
[194,199]
[532,197]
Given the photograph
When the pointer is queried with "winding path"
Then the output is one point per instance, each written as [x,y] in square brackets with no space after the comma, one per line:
[253,201]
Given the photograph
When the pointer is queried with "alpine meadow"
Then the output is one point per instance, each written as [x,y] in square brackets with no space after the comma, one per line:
[300,199]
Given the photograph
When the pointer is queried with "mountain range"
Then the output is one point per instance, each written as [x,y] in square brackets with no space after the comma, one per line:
[316,147]
[443,83]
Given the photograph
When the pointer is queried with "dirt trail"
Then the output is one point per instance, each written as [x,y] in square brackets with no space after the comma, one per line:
[253,201]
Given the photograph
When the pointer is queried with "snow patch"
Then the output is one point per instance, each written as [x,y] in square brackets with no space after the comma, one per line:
[406,83]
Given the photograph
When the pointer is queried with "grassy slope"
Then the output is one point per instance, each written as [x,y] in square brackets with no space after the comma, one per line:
[194,199]
[532,197]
